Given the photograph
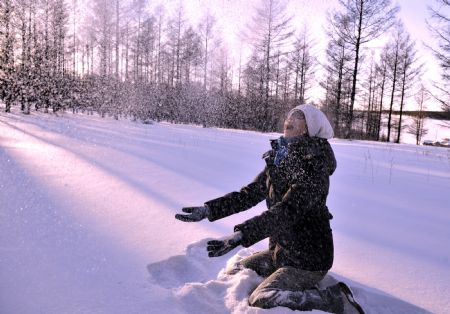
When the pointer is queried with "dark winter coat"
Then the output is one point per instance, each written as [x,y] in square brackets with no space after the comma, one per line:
[297,219]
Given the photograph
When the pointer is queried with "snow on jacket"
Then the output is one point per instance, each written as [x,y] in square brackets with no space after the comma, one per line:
[297,220]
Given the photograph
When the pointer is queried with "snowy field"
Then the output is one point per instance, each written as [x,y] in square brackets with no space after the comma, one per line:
[87,218]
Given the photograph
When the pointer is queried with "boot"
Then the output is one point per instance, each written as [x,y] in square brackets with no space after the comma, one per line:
[350,304]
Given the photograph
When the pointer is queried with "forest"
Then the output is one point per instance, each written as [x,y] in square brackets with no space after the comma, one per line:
[119,59]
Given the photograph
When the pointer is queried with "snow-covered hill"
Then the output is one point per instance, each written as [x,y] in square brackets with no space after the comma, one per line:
[87,206]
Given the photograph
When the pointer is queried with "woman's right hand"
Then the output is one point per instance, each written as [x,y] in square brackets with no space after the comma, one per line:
[193,214]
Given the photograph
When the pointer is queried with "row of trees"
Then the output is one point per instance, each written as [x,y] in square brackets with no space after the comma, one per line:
[122,60]
[389,78]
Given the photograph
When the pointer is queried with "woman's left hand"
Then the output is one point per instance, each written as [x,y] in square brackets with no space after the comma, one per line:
[220,247]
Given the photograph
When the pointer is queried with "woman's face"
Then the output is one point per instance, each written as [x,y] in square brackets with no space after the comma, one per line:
[295,125]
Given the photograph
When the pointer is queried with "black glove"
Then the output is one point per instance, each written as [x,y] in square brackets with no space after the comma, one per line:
[194,214]
[220,247]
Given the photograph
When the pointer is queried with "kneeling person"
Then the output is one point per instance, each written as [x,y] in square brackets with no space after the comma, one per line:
[295,184]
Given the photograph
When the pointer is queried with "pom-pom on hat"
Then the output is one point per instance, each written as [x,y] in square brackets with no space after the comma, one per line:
[316,121]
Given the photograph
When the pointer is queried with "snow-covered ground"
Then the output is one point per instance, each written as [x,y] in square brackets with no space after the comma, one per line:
[87,218]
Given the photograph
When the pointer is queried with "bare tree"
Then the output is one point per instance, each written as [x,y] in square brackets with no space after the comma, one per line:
[175,29]
[117,38]
[6,52]
[302,62]
[394,62]
[338,77]
[370,86]
[270,31]
[358,23]
[148,48]
[126,54]
[277,69]
[159,14]
[191,55]
[74,36]
[103,26]
[60,18]
[408,72]
[417,127]
[381,71]
[206,32]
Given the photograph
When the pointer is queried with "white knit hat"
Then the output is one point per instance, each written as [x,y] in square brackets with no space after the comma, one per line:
[317,122]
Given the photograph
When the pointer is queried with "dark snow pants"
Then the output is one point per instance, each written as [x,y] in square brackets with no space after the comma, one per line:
[289,286]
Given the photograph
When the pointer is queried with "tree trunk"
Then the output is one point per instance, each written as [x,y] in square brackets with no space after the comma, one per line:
[126,54]
[303,74]
[74,38]
[277,76]
[117,38]
[399,129]
[381,102]
[206,52]
[394,81]
[158,60]
[369,109]
[297,71]
[355,73]
[337,111]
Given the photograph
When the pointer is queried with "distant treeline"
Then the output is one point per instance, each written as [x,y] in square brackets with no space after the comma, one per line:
[119,59]
[438,115]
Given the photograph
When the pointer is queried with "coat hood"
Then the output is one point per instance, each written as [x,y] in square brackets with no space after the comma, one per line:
[317,122]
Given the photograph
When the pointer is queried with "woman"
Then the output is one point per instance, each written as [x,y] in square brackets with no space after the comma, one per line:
[295,184]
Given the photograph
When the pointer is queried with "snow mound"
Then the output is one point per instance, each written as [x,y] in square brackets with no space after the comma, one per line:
[193,266]
[199,284]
